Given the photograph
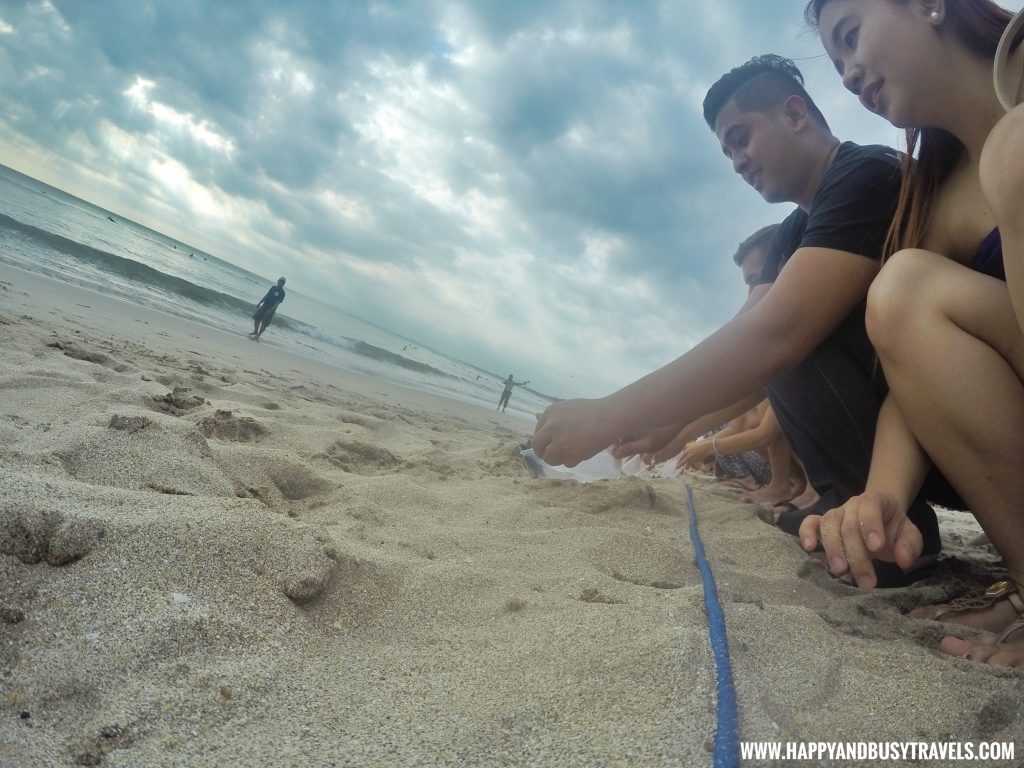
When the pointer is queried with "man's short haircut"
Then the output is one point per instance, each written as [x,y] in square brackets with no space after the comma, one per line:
[760,239]
[760,85]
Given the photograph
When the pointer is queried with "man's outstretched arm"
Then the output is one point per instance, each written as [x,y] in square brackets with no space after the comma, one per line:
[815,291]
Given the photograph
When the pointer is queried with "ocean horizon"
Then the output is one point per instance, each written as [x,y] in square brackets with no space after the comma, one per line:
[46,230]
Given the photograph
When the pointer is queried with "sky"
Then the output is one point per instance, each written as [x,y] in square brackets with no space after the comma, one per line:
[526,186]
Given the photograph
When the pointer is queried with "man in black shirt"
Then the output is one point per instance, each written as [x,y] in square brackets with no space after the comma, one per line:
[266,307]
[801,334]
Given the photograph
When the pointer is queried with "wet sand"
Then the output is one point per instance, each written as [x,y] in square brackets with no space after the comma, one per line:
[219,553]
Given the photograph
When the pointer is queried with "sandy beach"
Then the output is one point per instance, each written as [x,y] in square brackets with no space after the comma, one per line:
[220,553]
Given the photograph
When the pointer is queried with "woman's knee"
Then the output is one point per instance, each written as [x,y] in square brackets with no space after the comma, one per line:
[1002,173]
[898,297]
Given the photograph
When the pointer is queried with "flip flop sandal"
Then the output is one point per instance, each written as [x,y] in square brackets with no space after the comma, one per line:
[767,515]
[1013,629]
[891,576]
[770,513]
[1008,84]
[980,599]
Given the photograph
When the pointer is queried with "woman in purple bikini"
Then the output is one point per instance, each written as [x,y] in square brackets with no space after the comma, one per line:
[941,313]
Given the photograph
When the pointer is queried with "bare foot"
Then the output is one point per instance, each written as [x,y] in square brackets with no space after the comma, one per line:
[771,495]
[747,483]
[1009,653]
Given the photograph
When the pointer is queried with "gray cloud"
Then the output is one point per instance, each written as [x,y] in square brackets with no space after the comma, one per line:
[525,186]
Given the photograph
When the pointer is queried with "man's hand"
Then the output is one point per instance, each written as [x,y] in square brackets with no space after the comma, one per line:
[571,431]
[868,527]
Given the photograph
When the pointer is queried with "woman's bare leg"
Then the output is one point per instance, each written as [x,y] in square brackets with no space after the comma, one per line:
[953,355]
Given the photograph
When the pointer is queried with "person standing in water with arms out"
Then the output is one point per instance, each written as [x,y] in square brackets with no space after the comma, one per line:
[507,392]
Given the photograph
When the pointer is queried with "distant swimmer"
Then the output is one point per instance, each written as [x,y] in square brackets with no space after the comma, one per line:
[507,392]
[266,308]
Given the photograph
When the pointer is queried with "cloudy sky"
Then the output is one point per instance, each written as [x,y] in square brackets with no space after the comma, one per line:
[528,186]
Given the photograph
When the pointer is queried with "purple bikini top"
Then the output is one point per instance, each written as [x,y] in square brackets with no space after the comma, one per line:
[989,258]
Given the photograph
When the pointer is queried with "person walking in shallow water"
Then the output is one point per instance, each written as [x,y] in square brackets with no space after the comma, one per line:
[266,308]
[507,392]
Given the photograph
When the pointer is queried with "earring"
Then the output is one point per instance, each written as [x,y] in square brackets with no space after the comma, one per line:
[934,15]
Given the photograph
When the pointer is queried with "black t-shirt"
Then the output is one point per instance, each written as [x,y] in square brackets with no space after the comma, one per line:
[850,211]
[274,297]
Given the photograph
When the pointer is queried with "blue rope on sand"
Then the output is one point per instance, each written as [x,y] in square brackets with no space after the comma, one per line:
[727,744]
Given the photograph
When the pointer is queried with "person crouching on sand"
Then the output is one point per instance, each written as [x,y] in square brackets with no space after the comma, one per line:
[941,312]
[804,338]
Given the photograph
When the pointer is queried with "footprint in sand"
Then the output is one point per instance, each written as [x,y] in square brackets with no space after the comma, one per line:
[311,581]
[997,715]
[432,466]
[613,496]
[224,425]
[645,562]
[505,459]
[129,424]
[313,567]
[93,749]
[78,352]
[296,481]
[360,458]
[597,596]
[359,419]
[33,536]
[178,401]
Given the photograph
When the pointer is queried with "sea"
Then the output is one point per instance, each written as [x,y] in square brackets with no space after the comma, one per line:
[53,233]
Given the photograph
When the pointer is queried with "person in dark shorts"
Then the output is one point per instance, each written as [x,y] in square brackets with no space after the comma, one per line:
[507,392]
[266,308]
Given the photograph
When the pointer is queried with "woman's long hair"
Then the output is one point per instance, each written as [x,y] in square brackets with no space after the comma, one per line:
[932,152]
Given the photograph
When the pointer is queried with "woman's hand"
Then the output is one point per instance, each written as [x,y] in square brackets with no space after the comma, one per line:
[872,526]
[695,453]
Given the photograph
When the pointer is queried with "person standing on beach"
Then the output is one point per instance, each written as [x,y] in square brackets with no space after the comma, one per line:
[804,339]
[266,308]
[507,392]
